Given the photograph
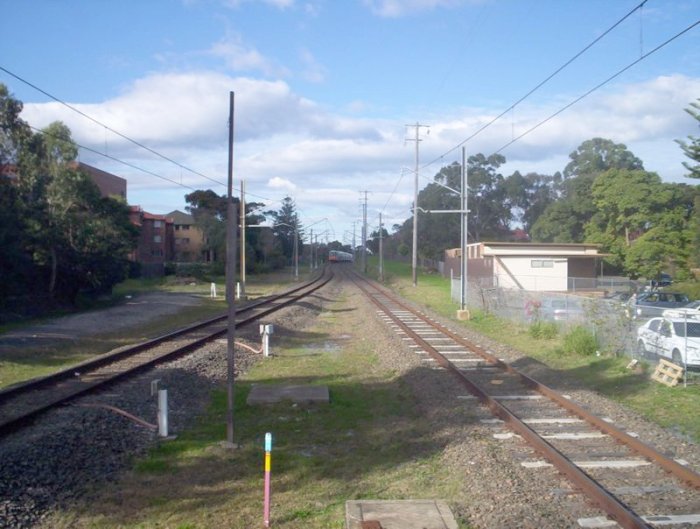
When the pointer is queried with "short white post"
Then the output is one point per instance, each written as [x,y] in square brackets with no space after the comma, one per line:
[163,412]
[266,331]
[238,290]
[213,290]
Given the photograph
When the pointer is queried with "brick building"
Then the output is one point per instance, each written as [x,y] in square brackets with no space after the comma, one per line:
[156,241]
[189,239]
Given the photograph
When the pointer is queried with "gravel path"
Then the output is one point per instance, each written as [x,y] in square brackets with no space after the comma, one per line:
[47,467]
[133,311]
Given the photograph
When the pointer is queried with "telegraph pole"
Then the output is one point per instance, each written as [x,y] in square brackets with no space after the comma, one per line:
[353,240]
[230,280]
[465,212]
[311,251]
[242,239]
[381,250]
[364,234]
[414,261]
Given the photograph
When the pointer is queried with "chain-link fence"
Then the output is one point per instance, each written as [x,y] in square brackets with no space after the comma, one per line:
[610,320]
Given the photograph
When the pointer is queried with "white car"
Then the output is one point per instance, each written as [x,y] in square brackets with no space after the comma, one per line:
[666,337]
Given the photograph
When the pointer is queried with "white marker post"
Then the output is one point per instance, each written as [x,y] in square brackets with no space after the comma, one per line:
[213,290]
[163,412]
[266,331]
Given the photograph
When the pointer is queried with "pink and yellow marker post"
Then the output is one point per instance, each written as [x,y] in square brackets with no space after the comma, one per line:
[268,466]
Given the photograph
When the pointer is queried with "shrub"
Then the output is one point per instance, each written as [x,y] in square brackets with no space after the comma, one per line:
[546,330]
[581,341]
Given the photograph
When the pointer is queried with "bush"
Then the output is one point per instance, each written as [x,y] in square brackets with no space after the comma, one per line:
[546,330]
[581,341]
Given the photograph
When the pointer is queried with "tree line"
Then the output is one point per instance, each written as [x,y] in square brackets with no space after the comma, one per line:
[603,195]
[59,236]
[62,239]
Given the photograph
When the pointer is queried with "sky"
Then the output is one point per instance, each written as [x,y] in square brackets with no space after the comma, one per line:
[328,92]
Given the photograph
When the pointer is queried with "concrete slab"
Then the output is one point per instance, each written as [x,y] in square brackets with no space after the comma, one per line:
[400,514]
[271,393]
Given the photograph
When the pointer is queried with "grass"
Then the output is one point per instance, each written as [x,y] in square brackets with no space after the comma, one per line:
[608,375]
[36,359]
[368,442]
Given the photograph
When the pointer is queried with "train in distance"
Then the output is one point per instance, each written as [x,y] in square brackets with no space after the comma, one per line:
[336,256]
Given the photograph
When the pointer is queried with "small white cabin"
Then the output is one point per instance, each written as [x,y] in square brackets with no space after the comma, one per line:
[554,267]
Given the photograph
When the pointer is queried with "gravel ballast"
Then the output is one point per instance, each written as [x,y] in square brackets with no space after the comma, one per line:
[75,450]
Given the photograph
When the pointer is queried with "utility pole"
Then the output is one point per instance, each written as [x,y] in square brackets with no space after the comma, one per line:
[364,234]
[230,280]
[381,250]
[311,251]
[243,239]
[353,240]
[464,241]
[414,260]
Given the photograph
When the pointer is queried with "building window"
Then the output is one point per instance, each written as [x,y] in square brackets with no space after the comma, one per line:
[542,263]
[157,252]
[157,238]
[157,223]
[185,227]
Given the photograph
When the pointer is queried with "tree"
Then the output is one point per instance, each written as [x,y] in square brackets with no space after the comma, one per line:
[60,237]
[286,227]
[564,220]
[597,155]
[692,149]
[628,203]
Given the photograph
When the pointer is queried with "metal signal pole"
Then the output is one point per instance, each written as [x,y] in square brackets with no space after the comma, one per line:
[364,234]
[381,250]
[414,260]
[242,239]
[230,282]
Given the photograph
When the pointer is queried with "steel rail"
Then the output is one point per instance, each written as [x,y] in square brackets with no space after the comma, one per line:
[88,387]
[620,512]
[668,464]
[112,356]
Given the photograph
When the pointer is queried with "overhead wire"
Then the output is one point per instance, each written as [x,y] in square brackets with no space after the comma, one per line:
[113,158]
[539,85]
[107,127]
[603,83]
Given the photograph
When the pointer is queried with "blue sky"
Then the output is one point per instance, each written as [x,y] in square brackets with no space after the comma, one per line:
[325,88]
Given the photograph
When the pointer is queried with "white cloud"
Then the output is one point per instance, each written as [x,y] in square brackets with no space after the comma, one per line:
[242,58]
[397,8]
[286,144]
[281,183]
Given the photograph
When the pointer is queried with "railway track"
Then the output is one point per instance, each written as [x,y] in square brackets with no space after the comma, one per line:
[22,403]
[635,484]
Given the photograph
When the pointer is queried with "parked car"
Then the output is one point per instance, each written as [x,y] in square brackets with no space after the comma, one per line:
[664,280]
[653,303]
[564,309]
[677,339]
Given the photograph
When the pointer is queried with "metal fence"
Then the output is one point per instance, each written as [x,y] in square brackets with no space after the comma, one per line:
[609,320]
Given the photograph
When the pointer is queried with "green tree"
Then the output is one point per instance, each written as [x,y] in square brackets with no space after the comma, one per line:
[628,203]
[692,148]
[564,220]
[286,226]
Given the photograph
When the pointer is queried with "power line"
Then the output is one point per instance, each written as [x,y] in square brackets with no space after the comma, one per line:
[542,83]
[137,143]
[620,72]
[128,164]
